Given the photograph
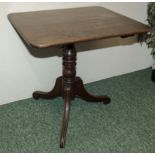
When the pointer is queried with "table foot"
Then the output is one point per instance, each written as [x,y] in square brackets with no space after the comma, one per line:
[81,92]
[67,102]
[56,92]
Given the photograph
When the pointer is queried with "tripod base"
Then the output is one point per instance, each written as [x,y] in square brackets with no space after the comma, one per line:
[77,90]
[68,87]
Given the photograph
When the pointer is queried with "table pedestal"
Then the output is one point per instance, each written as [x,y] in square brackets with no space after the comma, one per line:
[68,86]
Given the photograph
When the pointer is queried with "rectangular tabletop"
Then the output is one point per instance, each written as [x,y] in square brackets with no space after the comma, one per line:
[58,27]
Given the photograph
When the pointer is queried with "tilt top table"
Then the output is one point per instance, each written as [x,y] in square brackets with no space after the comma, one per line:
[64,28]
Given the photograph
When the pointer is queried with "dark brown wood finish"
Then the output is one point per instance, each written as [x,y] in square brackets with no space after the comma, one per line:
[68,87]
[64,28]
[58,27]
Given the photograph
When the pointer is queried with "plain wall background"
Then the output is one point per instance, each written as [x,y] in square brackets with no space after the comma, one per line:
[21,73]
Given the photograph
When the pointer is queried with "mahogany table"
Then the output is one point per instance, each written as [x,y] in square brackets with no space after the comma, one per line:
[63,28]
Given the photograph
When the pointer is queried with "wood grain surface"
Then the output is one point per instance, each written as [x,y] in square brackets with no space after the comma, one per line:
[64,26]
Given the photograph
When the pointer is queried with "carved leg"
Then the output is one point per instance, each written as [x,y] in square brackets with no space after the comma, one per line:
[69,73]
[82,93]
[69,86]
[67,102]
[56,92]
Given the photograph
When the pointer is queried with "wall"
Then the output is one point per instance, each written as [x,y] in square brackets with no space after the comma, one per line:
[22,73]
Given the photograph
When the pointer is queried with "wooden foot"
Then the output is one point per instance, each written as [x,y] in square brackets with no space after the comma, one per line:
[67,102]
[81,92]
[56,92]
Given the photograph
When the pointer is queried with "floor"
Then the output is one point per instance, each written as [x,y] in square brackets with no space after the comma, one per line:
[127,124]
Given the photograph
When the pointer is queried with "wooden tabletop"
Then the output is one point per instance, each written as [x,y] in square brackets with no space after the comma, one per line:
[58,27]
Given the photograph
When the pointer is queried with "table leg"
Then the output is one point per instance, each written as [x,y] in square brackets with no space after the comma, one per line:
[56,92]
[81,92]
[68,87]
[67,102]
